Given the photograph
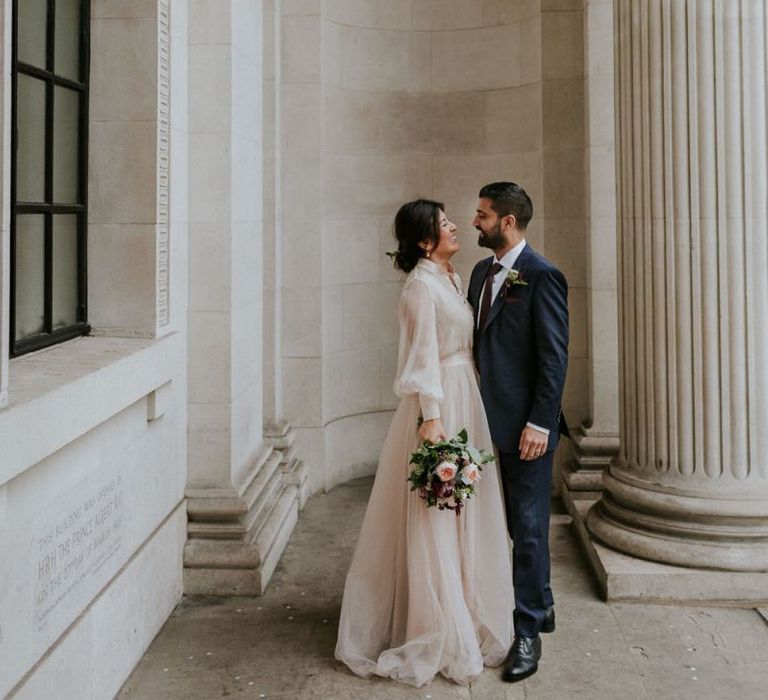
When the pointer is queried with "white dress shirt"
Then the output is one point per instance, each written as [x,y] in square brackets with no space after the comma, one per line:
[507,262]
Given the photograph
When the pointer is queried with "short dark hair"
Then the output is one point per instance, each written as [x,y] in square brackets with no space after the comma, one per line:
[416,222]
[509,198]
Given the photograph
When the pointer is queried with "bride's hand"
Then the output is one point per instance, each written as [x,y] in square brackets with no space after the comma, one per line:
[432,431]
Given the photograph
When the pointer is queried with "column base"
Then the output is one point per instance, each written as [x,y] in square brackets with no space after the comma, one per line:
[683,528]
[582,477]
[236,539]
[621,577]
[281,437]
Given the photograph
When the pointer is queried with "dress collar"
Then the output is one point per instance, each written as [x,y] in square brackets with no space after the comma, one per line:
[429,266]
[447,275]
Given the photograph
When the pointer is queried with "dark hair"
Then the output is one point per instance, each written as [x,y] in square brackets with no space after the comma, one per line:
[415,222]
[508,198]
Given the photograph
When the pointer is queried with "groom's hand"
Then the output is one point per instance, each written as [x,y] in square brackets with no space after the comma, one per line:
[533,444]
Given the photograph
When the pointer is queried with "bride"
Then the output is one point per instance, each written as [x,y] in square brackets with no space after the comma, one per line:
[429,592]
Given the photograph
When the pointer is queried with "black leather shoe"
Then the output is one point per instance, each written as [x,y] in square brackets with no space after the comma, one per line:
[549,620]
[522,660]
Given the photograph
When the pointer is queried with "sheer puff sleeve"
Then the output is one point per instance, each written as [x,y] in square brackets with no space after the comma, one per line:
[418,363]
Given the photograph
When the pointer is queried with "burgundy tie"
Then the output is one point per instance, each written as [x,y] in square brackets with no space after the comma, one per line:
[485,304]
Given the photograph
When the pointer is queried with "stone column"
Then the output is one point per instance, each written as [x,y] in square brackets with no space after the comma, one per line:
[596,440]
[690,485]
[278,432]
[241,510]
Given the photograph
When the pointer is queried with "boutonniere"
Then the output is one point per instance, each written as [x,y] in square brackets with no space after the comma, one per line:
[515,277]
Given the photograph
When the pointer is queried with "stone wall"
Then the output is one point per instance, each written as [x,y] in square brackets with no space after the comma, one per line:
[386,102]
[93,457]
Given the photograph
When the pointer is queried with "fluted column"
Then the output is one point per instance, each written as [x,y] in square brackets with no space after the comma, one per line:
[690,485]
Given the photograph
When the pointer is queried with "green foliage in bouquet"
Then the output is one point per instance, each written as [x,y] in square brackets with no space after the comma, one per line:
[445,474]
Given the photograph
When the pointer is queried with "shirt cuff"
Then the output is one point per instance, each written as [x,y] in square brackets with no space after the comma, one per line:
[536,427]
[430,408]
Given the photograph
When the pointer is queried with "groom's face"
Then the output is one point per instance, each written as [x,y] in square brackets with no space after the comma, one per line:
[488,223]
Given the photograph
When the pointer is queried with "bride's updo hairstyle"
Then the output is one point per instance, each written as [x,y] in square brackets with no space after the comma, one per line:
[416,222]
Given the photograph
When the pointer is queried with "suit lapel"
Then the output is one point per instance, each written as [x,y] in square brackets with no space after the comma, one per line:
[498,302]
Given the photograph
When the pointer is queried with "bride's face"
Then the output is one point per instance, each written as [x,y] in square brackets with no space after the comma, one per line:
[447,244]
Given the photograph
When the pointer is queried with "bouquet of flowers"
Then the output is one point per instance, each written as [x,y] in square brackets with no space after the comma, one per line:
[446,473]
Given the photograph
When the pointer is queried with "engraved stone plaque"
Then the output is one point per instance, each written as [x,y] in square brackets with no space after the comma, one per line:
[76,544]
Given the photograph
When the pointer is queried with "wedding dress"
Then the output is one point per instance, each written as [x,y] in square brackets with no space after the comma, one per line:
[429,592]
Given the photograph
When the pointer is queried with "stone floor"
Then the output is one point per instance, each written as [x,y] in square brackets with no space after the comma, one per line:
[281,644]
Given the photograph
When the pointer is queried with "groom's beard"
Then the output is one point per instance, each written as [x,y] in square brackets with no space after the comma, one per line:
[493,239]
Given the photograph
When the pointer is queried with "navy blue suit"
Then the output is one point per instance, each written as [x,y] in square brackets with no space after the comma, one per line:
[522,355]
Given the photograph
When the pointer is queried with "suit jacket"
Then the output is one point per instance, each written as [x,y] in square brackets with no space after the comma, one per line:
[522,352]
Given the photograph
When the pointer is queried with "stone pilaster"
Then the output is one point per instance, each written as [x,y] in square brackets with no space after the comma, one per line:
[596,441]
[278,433]
[273,227]
[241,506]
[690,485]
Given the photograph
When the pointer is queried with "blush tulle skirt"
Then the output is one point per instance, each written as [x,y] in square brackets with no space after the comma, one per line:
[429,592]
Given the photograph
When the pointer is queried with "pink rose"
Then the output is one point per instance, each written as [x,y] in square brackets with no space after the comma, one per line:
[470,474]
[445,471]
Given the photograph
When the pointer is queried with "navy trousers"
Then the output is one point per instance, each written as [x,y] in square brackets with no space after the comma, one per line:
[527,488]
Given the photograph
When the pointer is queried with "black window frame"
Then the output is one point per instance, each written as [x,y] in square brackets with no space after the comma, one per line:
[49,335]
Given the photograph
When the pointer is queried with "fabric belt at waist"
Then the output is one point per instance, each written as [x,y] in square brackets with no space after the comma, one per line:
[463,357]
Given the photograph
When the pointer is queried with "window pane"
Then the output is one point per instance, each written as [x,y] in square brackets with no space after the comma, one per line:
[30,154]
[67,55]
[64,270]
[32,21]
[66,117]
[30,275]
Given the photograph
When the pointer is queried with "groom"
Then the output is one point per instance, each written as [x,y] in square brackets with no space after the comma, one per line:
[521,352]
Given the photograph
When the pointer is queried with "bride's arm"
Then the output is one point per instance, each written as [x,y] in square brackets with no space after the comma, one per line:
[418,366]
